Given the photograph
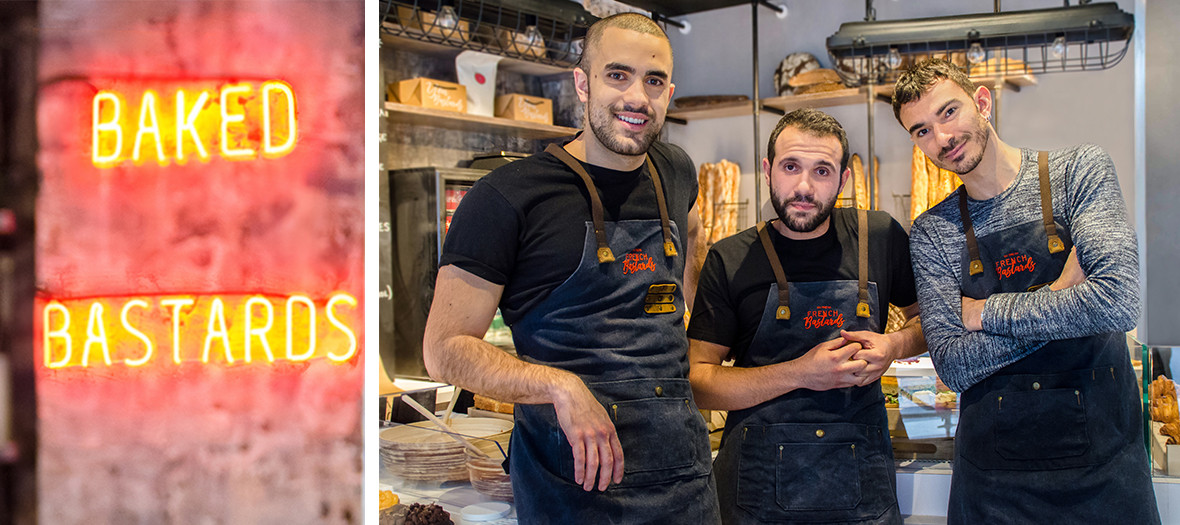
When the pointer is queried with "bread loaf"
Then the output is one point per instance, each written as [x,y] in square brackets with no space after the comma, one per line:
[814,76]
[818,88]
[999,66]
[793,64]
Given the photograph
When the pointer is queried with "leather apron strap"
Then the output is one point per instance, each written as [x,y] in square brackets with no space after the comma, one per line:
[1055,244]
[784,292]
[604,252]
[862,265]
[862,269]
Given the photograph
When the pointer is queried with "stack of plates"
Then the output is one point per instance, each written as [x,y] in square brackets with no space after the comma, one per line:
[487,474]
[421,452]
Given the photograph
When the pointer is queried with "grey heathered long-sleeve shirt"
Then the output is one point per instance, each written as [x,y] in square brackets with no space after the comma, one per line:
[1087,200]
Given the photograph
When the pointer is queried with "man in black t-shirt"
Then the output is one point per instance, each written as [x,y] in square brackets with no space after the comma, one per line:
[587,250]
[800,304]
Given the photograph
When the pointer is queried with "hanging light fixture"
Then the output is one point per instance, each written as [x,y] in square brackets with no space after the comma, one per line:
[1072,38]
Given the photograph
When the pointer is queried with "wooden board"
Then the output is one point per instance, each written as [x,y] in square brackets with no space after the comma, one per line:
[419,116]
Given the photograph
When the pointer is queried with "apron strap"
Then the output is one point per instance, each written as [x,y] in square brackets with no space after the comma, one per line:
[669,246]
[976,266]
[784,292]
[862,257]
[1055,244]
[605,254]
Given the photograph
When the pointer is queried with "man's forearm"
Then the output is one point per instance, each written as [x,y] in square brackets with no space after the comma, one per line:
[473,364]
[717,387]
[908,340]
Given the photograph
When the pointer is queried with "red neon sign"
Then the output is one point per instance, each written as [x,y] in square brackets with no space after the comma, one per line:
[235,121]
[227,329]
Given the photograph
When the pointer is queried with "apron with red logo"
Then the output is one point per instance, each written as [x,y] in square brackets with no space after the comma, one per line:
[618,323]
[1056,437]
[808,456]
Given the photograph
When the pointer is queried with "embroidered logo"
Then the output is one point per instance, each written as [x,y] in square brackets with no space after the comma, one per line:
[1014,263]
[638,261]
[823,316]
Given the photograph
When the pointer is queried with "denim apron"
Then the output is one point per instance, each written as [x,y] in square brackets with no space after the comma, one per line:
[618,323]
[1056,437]
[807,456]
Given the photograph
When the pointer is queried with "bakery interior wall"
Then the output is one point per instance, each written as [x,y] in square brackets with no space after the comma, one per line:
[1063,109]
[215,438]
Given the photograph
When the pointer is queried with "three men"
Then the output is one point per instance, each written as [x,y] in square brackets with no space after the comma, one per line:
[800,304]
[586,250]
[1027,278]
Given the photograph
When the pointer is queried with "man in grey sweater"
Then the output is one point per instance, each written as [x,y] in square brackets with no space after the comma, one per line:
[1027,277]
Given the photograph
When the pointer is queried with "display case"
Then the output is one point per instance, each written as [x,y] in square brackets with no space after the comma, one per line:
[419,204]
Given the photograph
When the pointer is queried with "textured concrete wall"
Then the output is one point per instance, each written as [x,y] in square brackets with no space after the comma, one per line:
[194,442]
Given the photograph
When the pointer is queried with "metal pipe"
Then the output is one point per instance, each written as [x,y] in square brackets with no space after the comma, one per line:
[870,13]
[997,90]
[997,6]
[757,106]
[872,184]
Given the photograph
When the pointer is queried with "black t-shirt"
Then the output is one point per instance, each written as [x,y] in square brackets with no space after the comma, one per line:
[524,224]
[736,277]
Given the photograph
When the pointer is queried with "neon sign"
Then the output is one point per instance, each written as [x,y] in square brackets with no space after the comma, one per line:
[235,121]
[225,330]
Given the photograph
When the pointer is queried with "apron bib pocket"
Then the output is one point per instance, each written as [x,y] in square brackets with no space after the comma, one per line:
[817,476]
[1041,425]
[822,472]
[646,428]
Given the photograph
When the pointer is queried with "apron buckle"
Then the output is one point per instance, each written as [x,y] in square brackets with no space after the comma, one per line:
[669,249]
[1055,244]
[862,309]
[605,255]
[976,267]
[782,313]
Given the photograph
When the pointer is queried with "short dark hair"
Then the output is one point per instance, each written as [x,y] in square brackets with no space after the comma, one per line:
[631,21]
[815,123]
[914,82]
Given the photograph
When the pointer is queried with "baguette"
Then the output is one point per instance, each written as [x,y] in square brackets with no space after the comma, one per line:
[859,184]
[918,184]
[876,184]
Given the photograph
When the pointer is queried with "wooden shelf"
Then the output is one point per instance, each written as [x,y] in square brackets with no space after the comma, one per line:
[1011,82]
[719,110]
[840,97]
[784,104]
[419,116]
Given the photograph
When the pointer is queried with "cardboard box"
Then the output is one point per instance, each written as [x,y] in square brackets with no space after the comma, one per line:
[428,22]
[524,107]
[430,93]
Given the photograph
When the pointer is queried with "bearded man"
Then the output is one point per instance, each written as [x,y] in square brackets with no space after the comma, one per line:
[586,249]
[800,304]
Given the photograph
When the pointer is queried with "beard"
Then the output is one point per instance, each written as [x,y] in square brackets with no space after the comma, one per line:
[602,119]
[979,136]
[802,224]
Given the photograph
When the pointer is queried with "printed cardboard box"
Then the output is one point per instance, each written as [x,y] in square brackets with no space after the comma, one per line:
[430,93]
[524,107]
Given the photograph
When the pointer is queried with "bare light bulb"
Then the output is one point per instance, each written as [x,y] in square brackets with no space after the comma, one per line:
[893,59]
[975,53]
[1058,47]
